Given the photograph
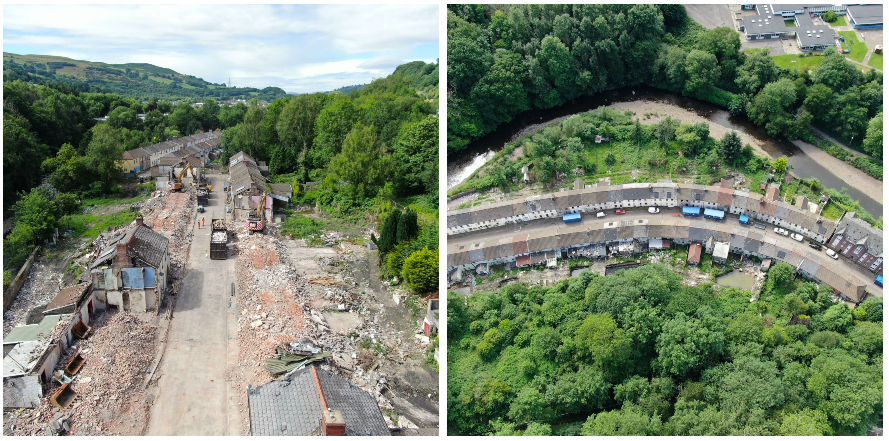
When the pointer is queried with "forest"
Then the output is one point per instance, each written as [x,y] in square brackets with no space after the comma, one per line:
[639,353]
[505,60]
[367,151]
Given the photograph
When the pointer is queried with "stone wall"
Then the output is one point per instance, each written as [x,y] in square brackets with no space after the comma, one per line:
[10,294]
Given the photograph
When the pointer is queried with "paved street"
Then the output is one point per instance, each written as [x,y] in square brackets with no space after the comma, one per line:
[841,266]
[192,394]
[711,16]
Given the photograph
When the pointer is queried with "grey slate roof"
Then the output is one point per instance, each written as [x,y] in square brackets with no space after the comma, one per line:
[148,246]
[867,14]
[855,229]
[292,407]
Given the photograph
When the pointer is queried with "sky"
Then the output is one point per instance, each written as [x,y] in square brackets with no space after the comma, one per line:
[299,48]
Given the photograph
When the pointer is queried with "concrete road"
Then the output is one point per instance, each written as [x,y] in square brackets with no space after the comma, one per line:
[711,16]
[192,394]
[491,235]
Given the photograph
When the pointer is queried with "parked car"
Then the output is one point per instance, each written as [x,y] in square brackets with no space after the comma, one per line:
[797,237]
[620,211]
[760,225]
[782,231]
[831,253]
[815,246]
[600,214]
[654,210]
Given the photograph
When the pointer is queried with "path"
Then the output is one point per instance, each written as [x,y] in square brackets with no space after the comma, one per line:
[192,394]
[848,149]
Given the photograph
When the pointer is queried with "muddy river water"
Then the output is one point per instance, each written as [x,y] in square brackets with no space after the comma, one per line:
[462,164]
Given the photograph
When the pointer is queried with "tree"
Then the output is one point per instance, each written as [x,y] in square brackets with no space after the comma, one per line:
[331,127]
[835,72]
[674,16]
[389,232]
[829,16]
[296,128]
[665,131]
[730,147]
[546,169]
[780,165]
[820,102]
[757,70]
[873,140]
[66,204]
[770,105]
[686,344]
[415,155]
[104,153]
[123,117]
[407,226]
[421,271]
[628,421]
[779,277]
[837,318]
[806,422]
[600,341]
[37,213]
[22,156]
[364,163]
[846,389]
[701,69]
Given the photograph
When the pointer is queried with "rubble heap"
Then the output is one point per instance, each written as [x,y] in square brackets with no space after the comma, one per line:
[110,400]
[171,214]
[41,286]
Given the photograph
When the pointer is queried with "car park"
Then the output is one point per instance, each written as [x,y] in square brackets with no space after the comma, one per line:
[815,246]
[620,211]
[797,237]
[781,231]
[654,210]
[831,253]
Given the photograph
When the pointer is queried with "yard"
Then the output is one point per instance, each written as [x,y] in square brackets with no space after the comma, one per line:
[876,61]
[790,23]
[840,21]
[804,63]
[859,49]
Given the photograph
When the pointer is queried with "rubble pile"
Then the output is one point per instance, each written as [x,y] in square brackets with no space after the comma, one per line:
[110,399]
[41,286]
[172,214]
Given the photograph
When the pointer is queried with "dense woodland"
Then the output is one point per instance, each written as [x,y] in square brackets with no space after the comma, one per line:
[370,149]
[638,353]
[505,60]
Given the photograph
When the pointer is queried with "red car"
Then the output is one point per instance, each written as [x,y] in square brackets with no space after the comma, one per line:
[620,211]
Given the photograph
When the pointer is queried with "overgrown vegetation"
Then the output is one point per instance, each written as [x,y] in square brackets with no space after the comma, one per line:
[638,353]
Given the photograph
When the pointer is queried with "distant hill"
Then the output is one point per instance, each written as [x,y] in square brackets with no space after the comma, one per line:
[347,89]
[422,77]
[136,80]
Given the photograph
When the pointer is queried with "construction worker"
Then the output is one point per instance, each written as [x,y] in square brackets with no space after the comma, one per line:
[202,222]
[199,224]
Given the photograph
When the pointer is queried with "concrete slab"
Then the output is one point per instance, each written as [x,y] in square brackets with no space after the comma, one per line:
[343,322]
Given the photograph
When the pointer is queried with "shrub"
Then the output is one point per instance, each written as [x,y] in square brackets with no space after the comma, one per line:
[420,271]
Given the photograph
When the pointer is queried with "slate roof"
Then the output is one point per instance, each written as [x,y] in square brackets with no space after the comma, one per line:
[867,14]
[68,296]
[148,246]
[854,229]
[293,406]
[285,190]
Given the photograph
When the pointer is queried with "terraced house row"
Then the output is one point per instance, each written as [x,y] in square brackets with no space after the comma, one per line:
[198,146]
[768,208]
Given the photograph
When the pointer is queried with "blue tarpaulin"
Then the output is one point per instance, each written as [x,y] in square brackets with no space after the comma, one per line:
[571,217]
[744,219]
[691,211]
[714,214]
[879,281]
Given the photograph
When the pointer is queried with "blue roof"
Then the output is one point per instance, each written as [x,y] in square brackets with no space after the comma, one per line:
[880,279]
[714,213]
[696,210]
[744,218]
[570,217]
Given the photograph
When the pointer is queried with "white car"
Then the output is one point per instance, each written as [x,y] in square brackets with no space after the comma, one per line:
[654,210]
[831,253]
[600,214]
[781,231]
[797,237]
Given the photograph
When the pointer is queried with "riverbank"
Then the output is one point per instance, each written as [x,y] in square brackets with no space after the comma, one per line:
[660,111]
[849,174]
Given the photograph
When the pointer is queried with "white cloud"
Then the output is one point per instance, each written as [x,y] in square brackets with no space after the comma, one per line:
[290,44]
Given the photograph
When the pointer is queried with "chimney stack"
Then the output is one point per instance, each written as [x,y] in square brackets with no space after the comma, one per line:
[121,260]
[332,423]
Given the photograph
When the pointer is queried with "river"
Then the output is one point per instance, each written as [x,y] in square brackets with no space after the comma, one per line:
[461,165]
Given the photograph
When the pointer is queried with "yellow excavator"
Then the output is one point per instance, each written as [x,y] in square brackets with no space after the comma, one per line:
[177,186]
[256,221]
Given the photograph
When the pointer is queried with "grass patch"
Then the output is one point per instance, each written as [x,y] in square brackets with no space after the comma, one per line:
[859,49]
[795,61]
[876,61]
[90,226]
[303,227]
[112,200]
[832,211]
[840,21]
[752,51]
[790,23]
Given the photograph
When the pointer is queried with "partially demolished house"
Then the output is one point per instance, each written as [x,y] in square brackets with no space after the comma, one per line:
[32,352]
[132,271]
[314,402]
[141,159]
[248,183]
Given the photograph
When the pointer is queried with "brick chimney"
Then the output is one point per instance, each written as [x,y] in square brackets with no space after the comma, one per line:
[332,423]
[139,220]
[121,260]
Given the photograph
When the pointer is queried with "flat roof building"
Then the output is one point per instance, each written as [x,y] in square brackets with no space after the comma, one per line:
[865,16]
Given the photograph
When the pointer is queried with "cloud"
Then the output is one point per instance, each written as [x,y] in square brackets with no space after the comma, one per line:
[278,44]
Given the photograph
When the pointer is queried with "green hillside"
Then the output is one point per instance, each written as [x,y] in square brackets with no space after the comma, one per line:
[135,80]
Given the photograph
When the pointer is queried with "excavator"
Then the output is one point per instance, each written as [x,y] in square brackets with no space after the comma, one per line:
[255,222]
[177,186]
